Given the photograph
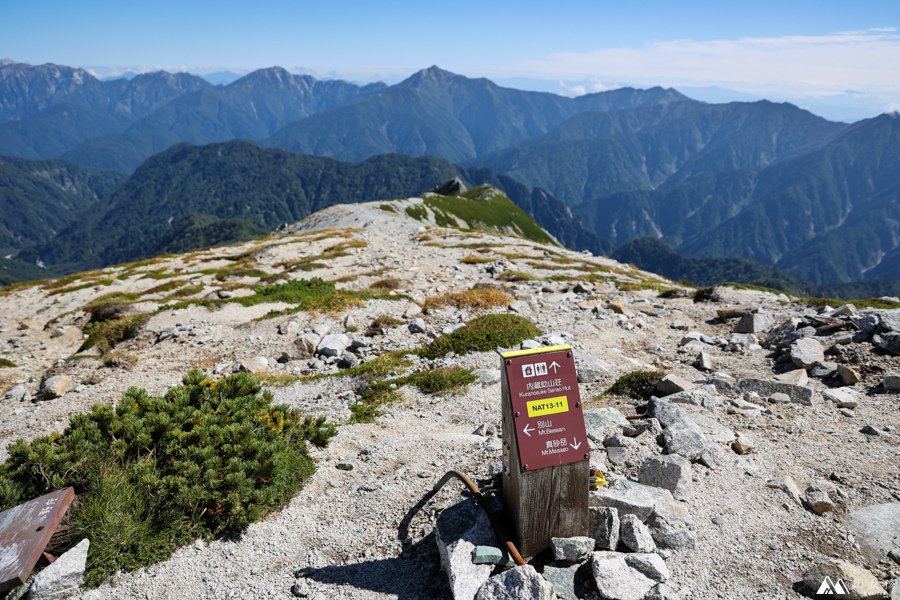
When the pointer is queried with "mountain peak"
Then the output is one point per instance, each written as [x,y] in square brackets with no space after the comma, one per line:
[433,74]
[277,76]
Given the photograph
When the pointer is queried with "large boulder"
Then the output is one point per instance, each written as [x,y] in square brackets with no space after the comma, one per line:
[665,412]
[889,320]
[629,498]
[672,384]
[754,322]
[573,549]
[305,345]
[685,438]
[797,393]
[460,528]
[699,396]
[889,342]
[671,526]
[570,582]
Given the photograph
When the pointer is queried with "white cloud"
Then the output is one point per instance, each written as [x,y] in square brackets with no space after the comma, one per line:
[813,64]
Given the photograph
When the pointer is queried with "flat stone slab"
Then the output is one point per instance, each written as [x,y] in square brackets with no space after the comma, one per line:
[877,527]
[713,429]
[630,498]
[797,393]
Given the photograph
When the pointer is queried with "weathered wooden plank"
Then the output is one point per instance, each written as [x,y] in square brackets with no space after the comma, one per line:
[25,530]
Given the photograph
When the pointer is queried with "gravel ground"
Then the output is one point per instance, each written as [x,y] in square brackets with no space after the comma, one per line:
[366,531]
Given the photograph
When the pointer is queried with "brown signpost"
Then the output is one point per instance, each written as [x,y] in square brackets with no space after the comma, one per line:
[546,461]
[25,530]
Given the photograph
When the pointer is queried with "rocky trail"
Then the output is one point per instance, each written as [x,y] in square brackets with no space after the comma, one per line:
[760,455]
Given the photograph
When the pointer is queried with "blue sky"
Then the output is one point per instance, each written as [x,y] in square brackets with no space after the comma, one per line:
[813,51]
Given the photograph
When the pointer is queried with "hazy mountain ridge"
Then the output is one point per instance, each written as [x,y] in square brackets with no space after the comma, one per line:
[30,90]
[435,112]
[765,181]
[119,123]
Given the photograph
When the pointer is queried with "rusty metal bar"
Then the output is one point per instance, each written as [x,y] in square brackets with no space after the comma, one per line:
[496,523]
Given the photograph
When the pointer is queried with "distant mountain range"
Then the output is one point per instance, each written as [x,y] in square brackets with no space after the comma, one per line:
[818,201]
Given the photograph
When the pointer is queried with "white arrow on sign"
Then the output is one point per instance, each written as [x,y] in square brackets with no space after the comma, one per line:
[555,366]
[527,430]
[575,443]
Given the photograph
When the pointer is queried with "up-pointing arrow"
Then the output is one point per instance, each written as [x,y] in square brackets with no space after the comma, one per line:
[575,443]
[555,366]
[527,430]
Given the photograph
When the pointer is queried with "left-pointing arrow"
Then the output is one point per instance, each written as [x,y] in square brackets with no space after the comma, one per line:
[527,430]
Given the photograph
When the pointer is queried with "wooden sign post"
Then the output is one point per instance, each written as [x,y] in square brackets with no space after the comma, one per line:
[546,461]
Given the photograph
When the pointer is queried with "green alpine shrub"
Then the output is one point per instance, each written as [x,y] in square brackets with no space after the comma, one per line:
[153,473]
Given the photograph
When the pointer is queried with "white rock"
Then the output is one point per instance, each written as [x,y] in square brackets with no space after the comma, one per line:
[64,577]
[573,549]
[516,584]
[806,352]
[604,527]
[616,580]
[460,528]
[333,344]
[671,472]
[650,564]
[787,485]
[672,384]
[635,535]
[257,364]
[844,398]
[795,377]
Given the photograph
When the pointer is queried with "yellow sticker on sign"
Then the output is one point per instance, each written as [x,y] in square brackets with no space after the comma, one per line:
[547,406]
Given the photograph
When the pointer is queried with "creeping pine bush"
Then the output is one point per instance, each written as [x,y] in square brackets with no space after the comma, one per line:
[483,334]
[636,384]
[153,473]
